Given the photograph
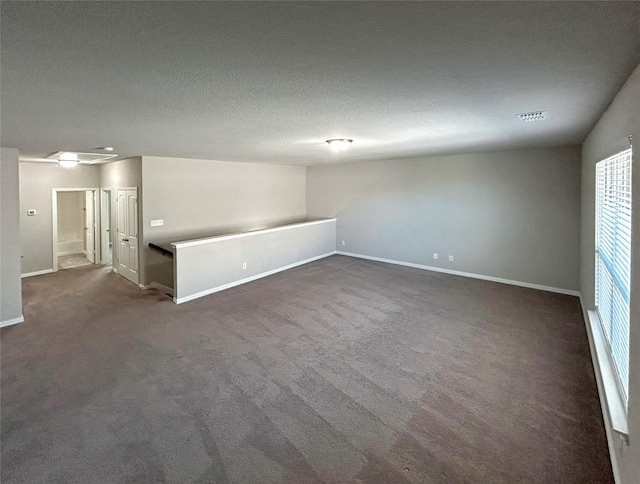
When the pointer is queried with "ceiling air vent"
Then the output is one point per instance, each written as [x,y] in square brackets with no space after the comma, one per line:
[534,116]
[86,158]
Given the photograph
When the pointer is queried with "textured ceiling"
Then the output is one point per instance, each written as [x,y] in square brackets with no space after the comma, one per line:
[270,81]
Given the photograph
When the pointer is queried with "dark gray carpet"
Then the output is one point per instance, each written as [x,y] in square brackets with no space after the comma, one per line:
[342,370]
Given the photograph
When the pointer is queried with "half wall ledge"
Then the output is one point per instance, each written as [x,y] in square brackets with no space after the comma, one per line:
[207,265]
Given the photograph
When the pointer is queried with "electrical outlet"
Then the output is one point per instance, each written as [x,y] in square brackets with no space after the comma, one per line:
[450,258]
[435,256]
[244,265]
[343,243]
[157,223]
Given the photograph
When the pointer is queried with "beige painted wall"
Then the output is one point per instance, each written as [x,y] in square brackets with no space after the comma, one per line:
[122,174]
[204,268]
[70,218]
[203,197]
[10,283]
[512,215]
[610,136]
[36,183]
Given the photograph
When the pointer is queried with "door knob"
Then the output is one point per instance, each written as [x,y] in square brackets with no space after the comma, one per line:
[125,240]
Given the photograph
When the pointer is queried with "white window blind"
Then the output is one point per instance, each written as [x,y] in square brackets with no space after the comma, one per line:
[613,257]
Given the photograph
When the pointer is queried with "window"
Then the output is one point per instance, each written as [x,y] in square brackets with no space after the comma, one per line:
[613,258]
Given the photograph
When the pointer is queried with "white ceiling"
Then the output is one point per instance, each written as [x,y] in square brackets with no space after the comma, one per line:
[271,81]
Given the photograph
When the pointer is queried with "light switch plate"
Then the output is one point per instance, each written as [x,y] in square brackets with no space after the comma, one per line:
[31,212]
[157,223]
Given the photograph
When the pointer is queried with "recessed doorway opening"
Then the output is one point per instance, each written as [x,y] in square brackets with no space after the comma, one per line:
[75,214]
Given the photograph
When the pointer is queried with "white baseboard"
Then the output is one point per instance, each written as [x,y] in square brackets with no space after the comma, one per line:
[606,415]
[159,287]
[11,322]
[248,279]
[540,287]
[70,247]
[70,252]
[37,273]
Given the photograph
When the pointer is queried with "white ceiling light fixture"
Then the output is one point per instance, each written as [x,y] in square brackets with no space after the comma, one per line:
[83,158]
[105,148]
[339,144]
[68,160]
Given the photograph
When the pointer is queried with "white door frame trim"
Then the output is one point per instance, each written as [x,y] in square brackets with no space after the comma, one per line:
[54,218]
[103,191]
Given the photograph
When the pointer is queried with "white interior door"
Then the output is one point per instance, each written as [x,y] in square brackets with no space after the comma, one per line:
[89,226]
[127,202]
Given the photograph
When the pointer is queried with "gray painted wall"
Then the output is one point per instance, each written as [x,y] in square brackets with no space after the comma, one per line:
[10,284]
[121,174]
[198,198]
[610,136]
[125,173]
[36,183]
[512,215]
